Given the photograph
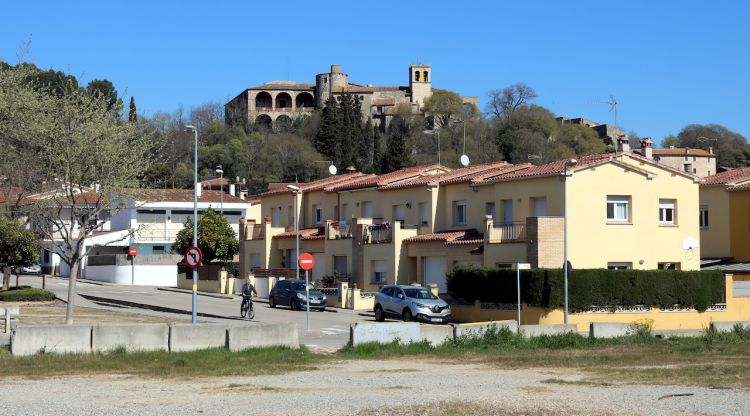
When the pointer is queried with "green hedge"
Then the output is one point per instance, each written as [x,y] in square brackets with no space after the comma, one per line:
[25,294]
[589,287]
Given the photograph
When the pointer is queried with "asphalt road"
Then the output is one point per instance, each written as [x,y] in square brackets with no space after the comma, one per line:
[328,329]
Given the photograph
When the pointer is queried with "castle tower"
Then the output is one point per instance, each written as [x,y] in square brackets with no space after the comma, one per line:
[326,84]
[420,83]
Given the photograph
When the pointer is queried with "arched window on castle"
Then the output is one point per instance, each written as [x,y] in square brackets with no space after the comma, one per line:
[416,75]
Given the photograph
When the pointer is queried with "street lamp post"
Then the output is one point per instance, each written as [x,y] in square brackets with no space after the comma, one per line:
[568,163]
[220,171]
[195,220]
[295,191]
[436,132]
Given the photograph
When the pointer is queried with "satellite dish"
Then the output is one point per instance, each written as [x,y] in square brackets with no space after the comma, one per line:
[464,160]
[332,170]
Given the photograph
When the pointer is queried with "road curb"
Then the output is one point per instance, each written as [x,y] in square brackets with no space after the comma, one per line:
[188,291]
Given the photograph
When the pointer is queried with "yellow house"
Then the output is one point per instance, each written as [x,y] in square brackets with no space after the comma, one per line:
[724,207]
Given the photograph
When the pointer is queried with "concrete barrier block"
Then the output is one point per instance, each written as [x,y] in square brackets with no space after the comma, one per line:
[608,329]
[51,339]
[476,329]
[529,331]
[263,335]
[729,326]
[132,337]
[436,334]
[193,337]
[385,333]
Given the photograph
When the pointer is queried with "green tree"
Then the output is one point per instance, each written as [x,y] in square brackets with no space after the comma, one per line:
[732,148]
[502,103]
[104,89]
[326,139]
[582,139]
[444,106]
[669,141]
[527,131]
[216,238]
[80,147]
[363,160]
[397,154]
[377,151]
[132,113]
[18,247]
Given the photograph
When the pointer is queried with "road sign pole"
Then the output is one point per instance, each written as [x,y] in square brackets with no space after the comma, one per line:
[307,295]
[132,271]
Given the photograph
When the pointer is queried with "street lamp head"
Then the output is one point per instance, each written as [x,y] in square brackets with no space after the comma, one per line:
[430,131]
[293,188]
[571,162]
[219,170]
[190,127]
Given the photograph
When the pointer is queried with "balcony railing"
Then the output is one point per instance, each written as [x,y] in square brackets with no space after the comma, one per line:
[154,235]
[255,232]
[508,233]
[339,230]
[378,233]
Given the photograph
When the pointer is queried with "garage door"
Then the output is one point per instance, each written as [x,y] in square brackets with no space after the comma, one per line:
[434,272]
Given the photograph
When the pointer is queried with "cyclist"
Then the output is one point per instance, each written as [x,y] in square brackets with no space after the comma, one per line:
[247,295]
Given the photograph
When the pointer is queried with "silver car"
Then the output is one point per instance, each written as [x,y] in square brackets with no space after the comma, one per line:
[410,303]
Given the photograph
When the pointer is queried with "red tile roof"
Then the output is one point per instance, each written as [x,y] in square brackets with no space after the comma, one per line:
[554,168]
[386,179]
[471,236]
[181,195]
[729,177]
[316,185]
[741,187]
[304,234]
[683,152]
[459,175]
[215,181]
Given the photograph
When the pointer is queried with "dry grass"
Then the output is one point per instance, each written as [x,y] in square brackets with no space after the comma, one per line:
[46,313]
[464,408]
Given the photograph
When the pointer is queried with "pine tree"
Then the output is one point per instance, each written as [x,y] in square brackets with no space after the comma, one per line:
[364,157]
[351,129]
[397,154]
[326,140]
[377,151]
[132,116]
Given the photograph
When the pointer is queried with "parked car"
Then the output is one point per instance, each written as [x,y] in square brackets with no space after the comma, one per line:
[410,303]
[33,269]
[292,293]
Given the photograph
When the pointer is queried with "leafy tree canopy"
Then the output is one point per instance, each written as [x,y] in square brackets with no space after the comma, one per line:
[216,239]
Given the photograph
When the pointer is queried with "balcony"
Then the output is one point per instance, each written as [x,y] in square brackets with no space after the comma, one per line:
[339,230]
[378,233]
[507,233]
[255,232]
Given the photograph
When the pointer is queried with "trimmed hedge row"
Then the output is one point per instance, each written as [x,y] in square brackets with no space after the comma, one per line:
[589,287]
[25,294]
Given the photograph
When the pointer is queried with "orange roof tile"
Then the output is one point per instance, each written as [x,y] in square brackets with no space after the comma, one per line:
[471,236]
[182,195]
[554,168]
[317,184]
[385,179]
[683,152]
[304,234]
[465,174]
[729,177]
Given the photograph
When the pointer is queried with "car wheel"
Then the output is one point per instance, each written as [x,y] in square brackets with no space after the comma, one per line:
[294,305]
[407,315]
[379,315]
[271,302]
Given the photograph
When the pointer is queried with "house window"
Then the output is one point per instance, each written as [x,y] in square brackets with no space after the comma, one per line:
[669,266]
[507,211]
[424,213]
[276,217]
[346,214]
[339,266]
[317,214]
[666,211]
[367,209]
[689,167]
[379,272]
[290,216]
[618,207]
[399,213]
[703,216]
[489,209]
[539,207]
[158,249]
[459,212]
[619,266]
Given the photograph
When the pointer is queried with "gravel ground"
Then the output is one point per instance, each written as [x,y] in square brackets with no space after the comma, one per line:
[394,387]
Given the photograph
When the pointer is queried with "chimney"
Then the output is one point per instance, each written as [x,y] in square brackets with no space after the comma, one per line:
[231,189]
[647,148]
[623,145]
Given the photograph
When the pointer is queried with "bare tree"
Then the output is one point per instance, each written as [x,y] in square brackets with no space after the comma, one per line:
[502,103]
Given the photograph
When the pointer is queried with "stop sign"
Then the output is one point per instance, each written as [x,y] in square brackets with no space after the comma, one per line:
[306,261]
[132,251]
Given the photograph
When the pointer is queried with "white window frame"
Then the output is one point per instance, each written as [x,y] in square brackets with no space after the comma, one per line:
[703,221]
[667,211]
[618,201]
[459,220]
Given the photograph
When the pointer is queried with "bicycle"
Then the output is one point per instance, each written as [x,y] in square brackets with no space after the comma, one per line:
[247,310]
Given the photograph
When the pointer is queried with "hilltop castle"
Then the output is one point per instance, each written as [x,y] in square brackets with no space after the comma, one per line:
[277,103]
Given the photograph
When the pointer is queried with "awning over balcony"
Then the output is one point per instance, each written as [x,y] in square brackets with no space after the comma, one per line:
[304,234]
[463,237]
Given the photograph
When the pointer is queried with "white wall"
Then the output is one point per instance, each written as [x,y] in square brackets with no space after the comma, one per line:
[145,275]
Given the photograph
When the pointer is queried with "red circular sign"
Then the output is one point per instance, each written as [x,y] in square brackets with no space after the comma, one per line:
[193,257]
[133,251]
[306,261]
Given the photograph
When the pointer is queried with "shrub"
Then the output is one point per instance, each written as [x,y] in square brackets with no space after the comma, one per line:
[589,287]
[26,294]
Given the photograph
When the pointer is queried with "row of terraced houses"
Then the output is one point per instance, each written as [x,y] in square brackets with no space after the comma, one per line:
[627,209]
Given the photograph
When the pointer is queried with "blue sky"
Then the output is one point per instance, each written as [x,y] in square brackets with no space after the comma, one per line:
[668,63]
